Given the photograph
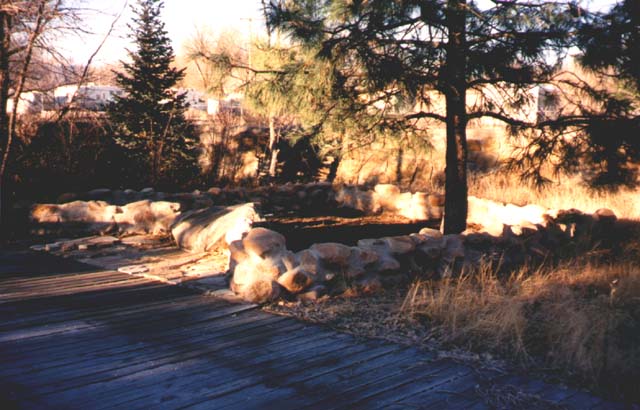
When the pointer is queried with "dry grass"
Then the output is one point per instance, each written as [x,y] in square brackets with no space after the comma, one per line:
[564,193]
[511,398]
[577,323]
[583,319]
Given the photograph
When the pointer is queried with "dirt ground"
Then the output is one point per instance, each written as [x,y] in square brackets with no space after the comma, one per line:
[302,232]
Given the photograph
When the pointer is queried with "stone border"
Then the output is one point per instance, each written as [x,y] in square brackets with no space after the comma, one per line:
[261,268]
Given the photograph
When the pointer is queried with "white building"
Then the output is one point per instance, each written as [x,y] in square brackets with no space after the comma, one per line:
[195,99]
[232,103]
[32,102]
[90,96]
[95,97]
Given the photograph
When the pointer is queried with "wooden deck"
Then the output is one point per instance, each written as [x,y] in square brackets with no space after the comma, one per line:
[72,337]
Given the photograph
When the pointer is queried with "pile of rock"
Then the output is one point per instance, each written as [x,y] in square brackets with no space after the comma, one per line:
[262,268]
[107,210]
[100,217]
[537,223]
[387,198]
[313,198]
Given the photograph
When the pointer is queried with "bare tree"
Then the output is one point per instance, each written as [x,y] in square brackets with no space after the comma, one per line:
[23,28]
[27,32]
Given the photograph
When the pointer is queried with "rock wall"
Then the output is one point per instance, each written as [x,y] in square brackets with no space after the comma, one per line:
[100,217]
[104,210]
[263,269]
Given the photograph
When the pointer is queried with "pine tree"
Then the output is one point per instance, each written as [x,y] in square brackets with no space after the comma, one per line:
[417,48]
[150,117]
[610,50]
[596,133]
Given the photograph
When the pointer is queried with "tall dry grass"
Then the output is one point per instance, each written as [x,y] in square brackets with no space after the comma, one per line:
[563,193]
[582,319]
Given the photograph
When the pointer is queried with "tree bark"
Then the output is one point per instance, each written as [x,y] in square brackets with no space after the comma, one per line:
[455,88]
[5,45]
[273,147]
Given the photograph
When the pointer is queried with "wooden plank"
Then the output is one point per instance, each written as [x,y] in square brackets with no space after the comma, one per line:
[454,393]
[556,393]
[105,340]
[364,373]
[73,290]
[399,386]
[108,370]
[88,300]
[53,285]
[538,388]
[149,298]
[246,367]
[607,405]
[350,357]
[479,405]
[368,375]
[114,318]
[580,401]
[111,343]
[37,264]
[88,291]
[358,375]
[95,340]
[87,385]
[368,352]
[20,308]
[59,280]
[53,276]
[333,383]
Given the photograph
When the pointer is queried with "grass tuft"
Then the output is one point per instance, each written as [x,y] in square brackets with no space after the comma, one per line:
[581,319]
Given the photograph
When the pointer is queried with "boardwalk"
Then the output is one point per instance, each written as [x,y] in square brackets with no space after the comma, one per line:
[72,337]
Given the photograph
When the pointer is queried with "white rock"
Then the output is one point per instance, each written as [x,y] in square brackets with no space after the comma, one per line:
[133,269]
[205,229]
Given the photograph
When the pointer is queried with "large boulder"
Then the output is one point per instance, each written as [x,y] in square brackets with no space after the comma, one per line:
[100,194]
[258,261]
[263,243]
[295,280]
[364,201]
[145,216]
[204,229]
[400,245]
[387,195]
[496,218]
[90,216]
[332,253]
[414,207]
[259,291]
[603,226]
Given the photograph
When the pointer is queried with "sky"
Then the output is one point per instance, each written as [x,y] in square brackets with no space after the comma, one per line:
[182,19]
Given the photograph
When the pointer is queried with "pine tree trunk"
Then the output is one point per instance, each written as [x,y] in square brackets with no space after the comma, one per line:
[5,44]
[455,207]
[273,144]
[399,164]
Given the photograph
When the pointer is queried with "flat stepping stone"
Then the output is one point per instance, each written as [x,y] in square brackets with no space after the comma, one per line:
[133,269]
